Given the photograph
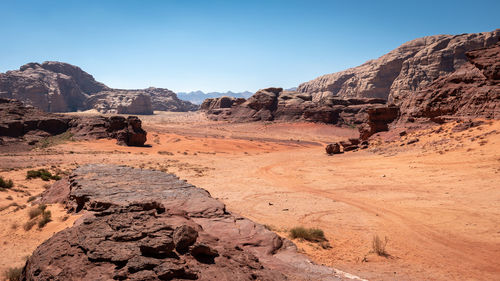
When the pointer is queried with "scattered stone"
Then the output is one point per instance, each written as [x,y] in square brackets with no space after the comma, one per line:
[333,148]
[415,140]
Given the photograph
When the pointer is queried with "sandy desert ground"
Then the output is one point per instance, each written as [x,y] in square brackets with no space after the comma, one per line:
[437,200]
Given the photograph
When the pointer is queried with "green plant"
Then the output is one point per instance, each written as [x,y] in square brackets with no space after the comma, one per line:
[46,218]
[13,273]
[309,234]
[6,183]
[41,173]
[54,140]
[378,246]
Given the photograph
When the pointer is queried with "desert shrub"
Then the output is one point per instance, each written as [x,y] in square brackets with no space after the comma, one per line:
[41,173]
[31,198]
[54,140]
[378,246]
[36,211]
[46,218]
[29,224]
[309,234]
[6,183]
[8,206]
[13,273]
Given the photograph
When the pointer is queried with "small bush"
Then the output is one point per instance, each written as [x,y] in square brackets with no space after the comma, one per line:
[13,273]
[41,173]
[378,246]
[309,234]
[36,211]
[8,206]
[29,224]
[31,198]
[46,218]
[6,183]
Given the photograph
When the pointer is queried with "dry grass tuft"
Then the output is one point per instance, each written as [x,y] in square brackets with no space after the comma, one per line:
[13,273]
[378,246]
[309,234]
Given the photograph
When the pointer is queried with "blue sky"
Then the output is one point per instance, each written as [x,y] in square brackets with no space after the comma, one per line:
[223,45]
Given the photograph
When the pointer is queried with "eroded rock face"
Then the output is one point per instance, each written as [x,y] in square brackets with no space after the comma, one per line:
[148,225]
[21,123]
[471,91]
[275,104]
[406,69]
[121,102]
[50,91]
[61,87]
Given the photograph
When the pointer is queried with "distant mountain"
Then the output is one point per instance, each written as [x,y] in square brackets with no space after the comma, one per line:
[197,97]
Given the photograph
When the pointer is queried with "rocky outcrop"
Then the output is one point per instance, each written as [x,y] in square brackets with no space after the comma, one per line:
[197,97]
[37,86]
[149,225]
[376,119]
[166,100]
[276,104]
[471,91]
[61,87]
[21,123]
[408,68]
[121,102]
[127,131]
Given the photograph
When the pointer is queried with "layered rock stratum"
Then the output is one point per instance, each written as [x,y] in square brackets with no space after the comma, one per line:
[429,78]
[149,225]
[406,69]
[61,87]
[473,90]
[20,123]
[371,115]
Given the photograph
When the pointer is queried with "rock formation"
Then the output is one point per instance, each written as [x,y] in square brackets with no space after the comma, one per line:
[21,123]
[149,225]
[61,87]
[197,97]
[275,104]
[404,70]
[471,91]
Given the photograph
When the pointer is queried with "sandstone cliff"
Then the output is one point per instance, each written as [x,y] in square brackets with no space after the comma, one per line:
[471,91]
[404,70]
[61,87]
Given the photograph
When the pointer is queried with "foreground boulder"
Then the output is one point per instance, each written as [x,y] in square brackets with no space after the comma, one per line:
[21,123]
[61,87]
[149,225]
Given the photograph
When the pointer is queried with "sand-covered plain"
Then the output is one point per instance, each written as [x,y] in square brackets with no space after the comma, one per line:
[437,200]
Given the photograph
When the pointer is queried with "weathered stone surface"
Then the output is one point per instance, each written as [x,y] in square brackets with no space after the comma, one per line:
[61,87]
[376,119]
[333,148]
[19,123]
[138,222]
[275,104]
[406,69]
[121,102]
[472,91]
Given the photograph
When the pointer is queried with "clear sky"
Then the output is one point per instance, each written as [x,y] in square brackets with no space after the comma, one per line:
[223,45]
